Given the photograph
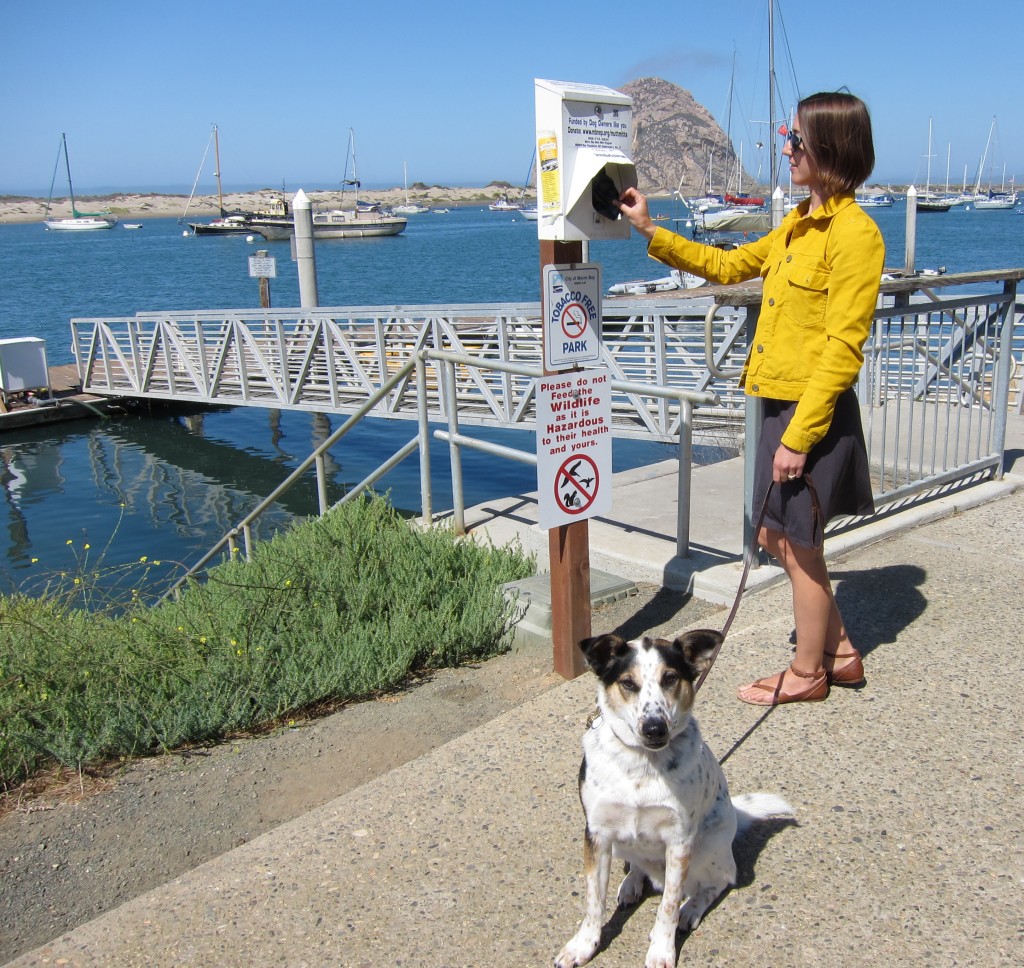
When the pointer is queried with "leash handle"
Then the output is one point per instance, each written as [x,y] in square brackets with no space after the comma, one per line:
[817,530]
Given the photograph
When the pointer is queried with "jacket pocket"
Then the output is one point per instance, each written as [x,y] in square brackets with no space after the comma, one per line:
[808,282]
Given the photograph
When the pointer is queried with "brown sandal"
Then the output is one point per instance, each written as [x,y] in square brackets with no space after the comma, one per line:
[851,675]
[816,690]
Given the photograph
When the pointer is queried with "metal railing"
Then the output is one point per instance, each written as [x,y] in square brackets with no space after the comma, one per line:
[330,360]
[445,366]
[943,364]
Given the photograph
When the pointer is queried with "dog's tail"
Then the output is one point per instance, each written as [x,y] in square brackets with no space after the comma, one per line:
[752,807]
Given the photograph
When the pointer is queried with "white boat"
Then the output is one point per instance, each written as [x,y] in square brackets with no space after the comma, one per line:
[875,200]
[362,221]
[132,225]
[990,200]
[338,223]
[677,279]
[505,204]
[995,200]
[439,211]
[530,214]
[409,208]
[79,221]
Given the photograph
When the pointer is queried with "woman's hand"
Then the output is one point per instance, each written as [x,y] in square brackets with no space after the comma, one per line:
[633,205]
[788,464]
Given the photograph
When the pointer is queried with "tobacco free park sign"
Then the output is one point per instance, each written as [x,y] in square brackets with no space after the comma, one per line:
[572,315]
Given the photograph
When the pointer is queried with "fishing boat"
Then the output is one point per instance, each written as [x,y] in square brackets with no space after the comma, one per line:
[79,221]
[504,204]
[362,221]
[876,200]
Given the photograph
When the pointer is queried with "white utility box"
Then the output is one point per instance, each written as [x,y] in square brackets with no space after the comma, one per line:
[584,136]
[23,365]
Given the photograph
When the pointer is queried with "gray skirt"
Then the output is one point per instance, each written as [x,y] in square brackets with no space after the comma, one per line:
[837,465]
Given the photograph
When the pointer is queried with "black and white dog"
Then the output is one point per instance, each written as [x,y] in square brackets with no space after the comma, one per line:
[652,792]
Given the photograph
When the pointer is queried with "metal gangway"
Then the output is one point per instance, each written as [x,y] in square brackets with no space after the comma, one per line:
[943,365]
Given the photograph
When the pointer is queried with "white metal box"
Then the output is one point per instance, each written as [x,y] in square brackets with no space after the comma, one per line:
[584,136]
[23,364]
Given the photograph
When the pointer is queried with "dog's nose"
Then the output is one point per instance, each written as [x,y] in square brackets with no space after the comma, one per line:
[654,730]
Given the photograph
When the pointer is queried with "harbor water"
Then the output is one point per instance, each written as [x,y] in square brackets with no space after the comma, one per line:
[113,497]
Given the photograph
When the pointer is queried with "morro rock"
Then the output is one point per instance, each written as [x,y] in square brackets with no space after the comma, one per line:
[674,138]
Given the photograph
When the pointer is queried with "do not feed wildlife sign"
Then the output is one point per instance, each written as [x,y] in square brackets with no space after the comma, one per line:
[574,447]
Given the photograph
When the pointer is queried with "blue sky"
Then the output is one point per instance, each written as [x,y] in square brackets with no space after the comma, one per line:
[448,87]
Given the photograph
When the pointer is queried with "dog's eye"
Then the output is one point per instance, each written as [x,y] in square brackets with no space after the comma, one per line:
[628,685]
[669,680]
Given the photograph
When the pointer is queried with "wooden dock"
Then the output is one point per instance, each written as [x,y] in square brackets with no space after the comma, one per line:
[66,401]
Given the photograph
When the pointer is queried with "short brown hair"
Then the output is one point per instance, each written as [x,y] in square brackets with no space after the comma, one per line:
[836,130]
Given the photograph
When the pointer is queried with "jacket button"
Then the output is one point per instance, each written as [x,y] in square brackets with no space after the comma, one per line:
[789,258]
[755,388]
[760,348]
[771,302]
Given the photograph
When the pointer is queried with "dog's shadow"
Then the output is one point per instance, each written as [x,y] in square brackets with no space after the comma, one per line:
[746,849]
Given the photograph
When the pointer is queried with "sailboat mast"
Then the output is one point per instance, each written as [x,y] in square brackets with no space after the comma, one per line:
[67,166]
[774,169]
[216,161]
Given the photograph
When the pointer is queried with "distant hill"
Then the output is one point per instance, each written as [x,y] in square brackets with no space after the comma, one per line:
[673,137]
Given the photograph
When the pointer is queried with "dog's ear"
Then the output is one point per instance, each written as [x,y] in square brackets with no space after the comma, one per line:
[601,650]
[698,646]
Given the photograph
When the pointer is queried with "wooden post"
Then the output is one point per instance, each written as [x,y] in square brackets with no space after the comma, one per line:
[264,284]
[568,544]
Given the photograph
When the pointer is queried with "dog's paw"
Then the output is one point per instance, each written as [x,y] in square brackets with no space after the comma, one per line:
[661,956]
[689,916]
[631,890]
[696,906]
[579,950]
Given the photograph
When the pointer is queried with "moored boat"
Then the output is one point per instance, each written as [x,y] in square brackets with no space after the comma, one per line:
[875,200]
[226,223]
[337,223]
[78,221]
[504,204]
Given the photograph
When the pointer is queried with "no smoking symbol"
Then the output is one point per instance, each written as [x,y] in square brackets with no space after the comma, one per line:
[576,484]
[574,320]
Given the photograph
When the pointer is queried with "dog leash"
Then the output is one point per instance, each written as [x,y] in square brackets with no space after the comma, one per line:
[816,529]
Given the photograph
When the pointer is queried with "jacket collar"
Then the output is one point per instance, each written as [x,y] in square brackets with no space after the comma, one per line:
[833,205]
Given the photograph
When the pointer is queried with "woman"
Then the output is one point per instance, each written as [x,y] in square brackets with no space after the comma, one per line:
[821,269]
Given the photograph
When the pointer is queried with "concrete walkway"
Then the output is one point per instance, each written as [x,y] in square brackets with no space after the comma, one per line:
[909,844]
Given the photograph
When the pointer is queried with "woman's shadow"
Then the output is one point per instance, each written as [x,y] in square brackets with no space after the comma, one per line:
[878,603]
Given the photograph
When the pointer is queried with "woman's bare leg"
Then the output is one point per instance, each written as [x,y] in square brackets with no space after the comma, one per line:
[820,633]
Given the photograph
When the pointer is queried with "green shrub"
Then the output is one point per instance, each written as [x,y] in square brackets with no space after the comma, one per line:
[335,608]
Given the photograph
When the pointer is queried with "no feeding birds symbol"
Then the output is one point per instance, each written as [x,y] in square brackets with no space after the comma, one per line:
[576,484]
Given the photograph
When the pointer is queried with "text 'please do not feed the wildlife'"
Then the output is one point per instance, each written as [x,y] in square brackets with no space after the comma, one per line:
[574,447]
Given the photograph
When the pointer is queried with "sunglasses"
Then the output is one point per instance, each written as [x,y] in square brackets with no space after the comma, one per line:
[795,140]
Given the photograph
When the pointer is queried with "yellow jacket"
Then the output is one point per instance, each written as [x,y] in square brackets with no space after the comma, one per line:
[821,276]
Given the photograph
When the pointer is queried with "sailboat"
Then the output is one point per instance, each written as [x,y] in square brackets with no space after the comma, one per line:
[409,208]
[928,201]
[991,200]
[79,221]
[227,223]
